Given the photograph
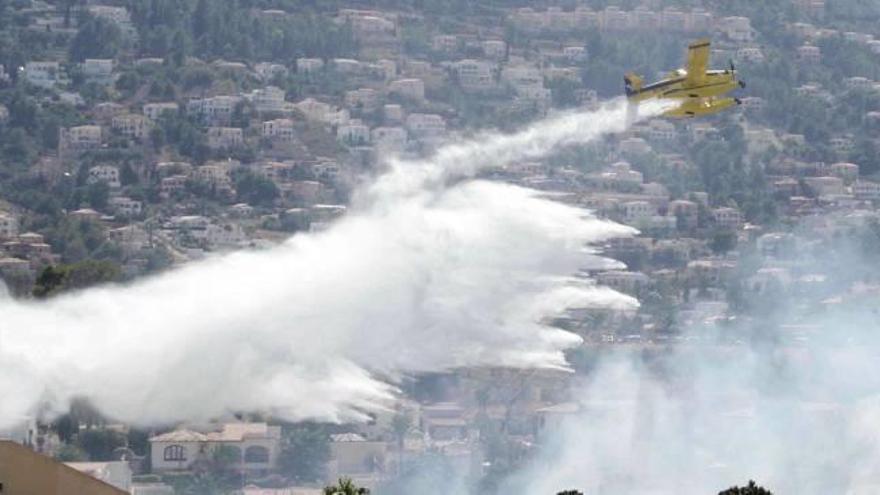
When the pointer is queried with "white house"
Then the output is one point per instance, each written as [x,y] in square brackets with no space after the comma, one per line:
[364,98]
[738,29]
[279,130]
[661,130]
[522,78]
[389,139]
[635,211]
[393,113]
[171,185]
[411,88]
[225,137]
[809,54]
[324,113]
[842,144]
[858,82]
[575,53]
[309,65]
[353,133]
[371,27]
[750,54]
[825,186]
[254,446]
[622,171]
[426,125]
[118,15]
[353,455]
[83,137]
[846,171]
[685,211]
[634,146]
[98,70]
[132,126]
[214,110]
[624,281]
[494,49]
[115,473]
[727,217]
[212,173]
[230,235]
[268,71]
[43,74]
[154,111]
[268,99]
[475,75]
[123,205]
[8,225]
[104,173]
[866,190]
[346,66]
[444,43]
[131,238]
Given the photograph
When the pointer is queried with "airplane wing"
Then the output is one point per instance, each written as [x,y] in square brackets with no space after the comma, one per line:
[697,62]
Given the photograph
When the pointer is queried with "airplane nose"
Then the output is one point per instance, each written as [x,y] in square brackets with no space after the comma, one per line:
[742,84]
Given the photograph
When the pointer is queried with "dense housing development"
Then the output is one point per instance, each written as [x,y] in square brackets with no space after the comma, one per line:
[137,137]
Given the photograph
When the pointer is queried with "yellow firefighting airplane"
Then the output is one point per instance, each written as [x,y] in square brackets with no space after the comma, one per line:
[698,90]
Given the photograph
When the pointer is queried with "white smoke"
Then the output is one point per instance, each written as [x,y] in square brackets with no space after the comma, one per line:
[419,276]
[799,415]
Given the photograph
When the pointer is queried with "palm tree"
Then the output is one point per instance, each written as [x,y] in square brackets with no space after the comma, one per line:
[400,425]
[345,487]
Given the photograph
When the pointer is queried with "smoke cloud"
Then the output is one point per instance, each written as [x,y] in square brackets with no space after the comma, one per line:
[789,398]
[419,276]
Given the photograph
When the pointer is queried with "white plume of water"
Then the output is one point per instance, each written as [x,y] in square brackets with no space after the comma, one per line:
[419,276]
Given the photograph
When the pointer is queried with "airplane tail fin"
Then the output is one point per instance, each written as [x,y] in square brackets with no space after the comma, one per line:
[632,83]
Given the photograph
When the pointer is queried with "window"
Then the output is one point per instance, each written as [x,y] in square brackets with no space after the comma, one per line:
[256,454]
[175,453]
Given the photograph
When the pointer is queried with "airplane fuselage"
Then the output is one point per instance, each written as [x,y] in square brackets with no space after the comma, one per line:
[695,89]
[715,83]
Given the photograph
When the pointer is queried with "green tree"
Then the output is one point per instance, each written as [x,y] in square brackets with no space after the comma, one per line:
[305,452]
[66,427]
[563,92]
[201,19]
[96,38]
[400,425]
[127,175]
[225,458]
[19,150]
[429,473]
[57,279]
[255,189]
[345,486]
[722,241]
[98,195]
[71,453]
[750,489]
[99,444]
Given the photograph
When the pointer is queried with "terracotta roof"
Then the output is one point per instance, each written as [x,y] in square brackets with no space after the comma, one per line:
[180,436]
[231,432]
[347,437]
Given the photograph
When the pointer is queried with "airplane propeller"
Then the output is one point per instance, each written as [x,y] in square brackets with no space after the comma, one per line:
[732,70]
